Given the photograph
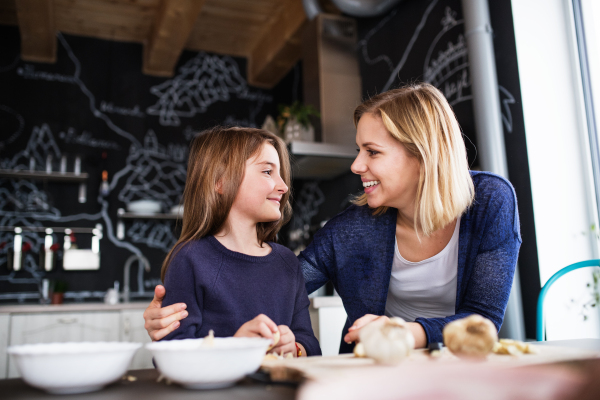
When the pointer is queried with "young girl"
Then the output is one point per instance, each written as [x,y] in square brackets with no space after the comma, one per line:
[225,266]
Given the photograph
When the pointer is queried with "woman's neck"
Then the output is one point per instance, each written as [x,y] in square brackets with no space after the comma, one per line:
[241,236]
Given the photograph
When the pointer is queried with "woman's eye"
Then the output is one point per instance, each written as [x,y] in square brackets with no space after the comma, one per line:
[372,152]
[268,172]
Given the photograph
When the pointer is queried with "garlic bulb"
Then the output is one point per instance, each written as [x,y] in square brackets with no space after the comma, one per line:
[470,337]
[386,341]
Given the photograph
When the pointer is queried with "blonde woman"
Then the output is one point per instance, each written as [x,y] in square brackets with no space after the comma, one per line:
[428,241]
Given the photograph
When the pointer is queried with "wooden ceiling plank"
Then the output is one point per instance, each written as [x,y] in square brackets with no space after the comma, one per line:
[108,7]
[38,33]
[172,27]
[277,49]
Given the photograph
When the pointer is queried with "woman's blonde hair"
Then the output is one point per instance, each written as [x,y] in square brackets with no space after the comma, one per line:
[218,160]
[420,118]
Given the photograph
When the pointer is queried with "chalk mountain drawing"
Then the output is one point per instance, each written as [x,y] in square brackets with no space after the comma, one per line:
[202,81]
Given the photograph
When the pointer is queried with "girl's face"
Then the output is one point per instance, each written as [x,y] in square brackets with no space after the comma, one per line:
[261,189]
[390,174]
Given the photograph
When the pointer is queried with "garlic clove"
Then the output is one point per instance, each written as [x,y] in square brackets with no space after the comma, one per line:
[276,337]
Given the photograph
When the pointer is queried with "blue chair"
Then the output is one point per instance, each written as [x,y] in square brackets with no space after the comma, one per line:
[540,306]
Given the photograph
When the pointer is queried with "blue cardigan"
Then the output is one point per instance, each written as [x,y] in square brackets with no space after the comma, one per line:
[355,251]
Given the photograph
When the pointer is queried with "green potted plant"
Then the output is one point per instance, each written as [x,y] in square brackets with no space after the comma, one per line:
[294,122]
[58,292]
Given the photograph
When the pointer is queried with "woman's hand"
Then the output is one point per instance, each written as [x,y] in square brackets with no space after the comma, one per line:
[415,328]
[162,321]
[354,330]
[287,342]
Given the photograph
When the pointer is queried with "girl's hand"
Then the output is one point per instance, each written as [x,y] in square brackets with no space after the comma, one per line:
[160,321]
[260,326]
[353,331]
[287,342]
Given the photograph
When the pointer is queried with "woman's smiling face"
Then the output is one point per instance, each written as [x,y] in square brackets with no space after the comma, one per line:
[390,174]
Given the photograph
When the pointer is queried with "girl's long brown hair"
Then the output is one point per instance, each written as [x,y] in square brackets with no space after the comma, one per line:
[218,159]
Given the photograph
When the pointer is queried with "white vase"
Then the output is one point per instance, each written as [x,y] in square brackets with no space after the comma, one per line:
[295,132]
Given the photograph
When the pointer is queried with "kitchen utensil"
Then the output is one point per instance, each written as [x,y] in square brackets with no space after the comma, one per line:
[144,207]
[82,259]
[195,366]
[178,209]
[66,368]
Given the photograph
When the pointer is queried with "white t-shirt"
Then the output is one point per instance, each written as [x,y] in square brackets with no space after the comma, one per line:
[426,288]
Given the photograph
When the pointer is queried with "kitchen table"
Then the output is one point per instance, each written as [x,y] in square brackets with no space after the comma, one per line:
[146,387]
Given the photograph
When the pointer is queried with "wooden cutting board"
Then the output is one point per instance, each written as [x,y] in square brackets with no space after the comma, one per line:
[297,369]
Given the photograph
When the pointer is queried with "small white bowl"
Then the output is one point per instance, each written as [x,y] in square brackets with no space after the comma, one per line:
[144,207]
[195,366]
[178,209]
[67,368]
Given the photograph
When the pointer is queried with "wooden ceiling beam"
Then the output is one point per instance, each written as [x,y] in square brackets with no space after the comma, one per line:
[38,32]
[172,26]
[279,47]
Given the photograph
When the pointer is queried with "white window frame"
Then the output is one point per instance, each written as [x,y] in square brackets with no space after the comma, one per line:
[558,147]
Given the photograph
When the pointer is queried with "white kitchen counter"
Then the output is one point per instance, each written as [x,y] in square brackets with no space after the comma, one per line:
[71,307]
[326,301]
[328,316]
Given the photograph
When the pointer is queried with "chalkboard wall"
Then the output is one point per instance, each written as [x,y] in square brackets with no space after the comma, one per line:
[95,102]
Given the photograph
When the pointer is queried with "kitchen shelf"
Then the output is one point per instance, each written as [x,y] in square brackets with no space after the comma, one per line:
[315,160]
[129,215]
[41,175]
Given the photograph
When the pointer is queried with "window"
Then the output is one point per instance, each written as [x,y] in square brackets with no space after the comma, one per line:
[587,26]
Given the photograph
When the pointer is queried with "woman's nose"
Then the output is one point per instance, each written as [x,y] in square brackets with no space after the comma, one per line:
[358,166]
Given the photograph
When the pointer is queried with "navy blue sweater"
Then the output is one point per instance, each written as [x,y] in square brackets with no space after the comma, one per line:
[224,289]
[355,251]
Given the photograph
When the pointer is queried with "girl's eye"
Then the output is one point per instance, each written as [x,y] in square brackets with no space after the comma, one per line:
[372,152]
[268,172]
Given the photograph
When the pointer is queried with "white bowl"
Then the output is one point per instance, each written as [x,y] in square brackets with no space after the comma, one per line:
[178,209]
[195,366]
[66,368]
[144,207]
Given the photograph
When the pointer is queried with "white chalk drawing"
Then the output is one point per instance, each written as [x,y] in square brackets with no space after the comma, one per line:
[7,117]
[506,98]
[87,139]
[231,120]
[28,71]
[41,144]
[155,172]
[446,64]
[202,81]
[306,207]
[110,108]
[155,234]
[363,44]
[413,39]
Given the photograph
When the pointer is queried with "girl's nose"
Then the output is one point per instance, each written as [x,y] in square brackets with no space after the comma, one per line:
[281,186]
